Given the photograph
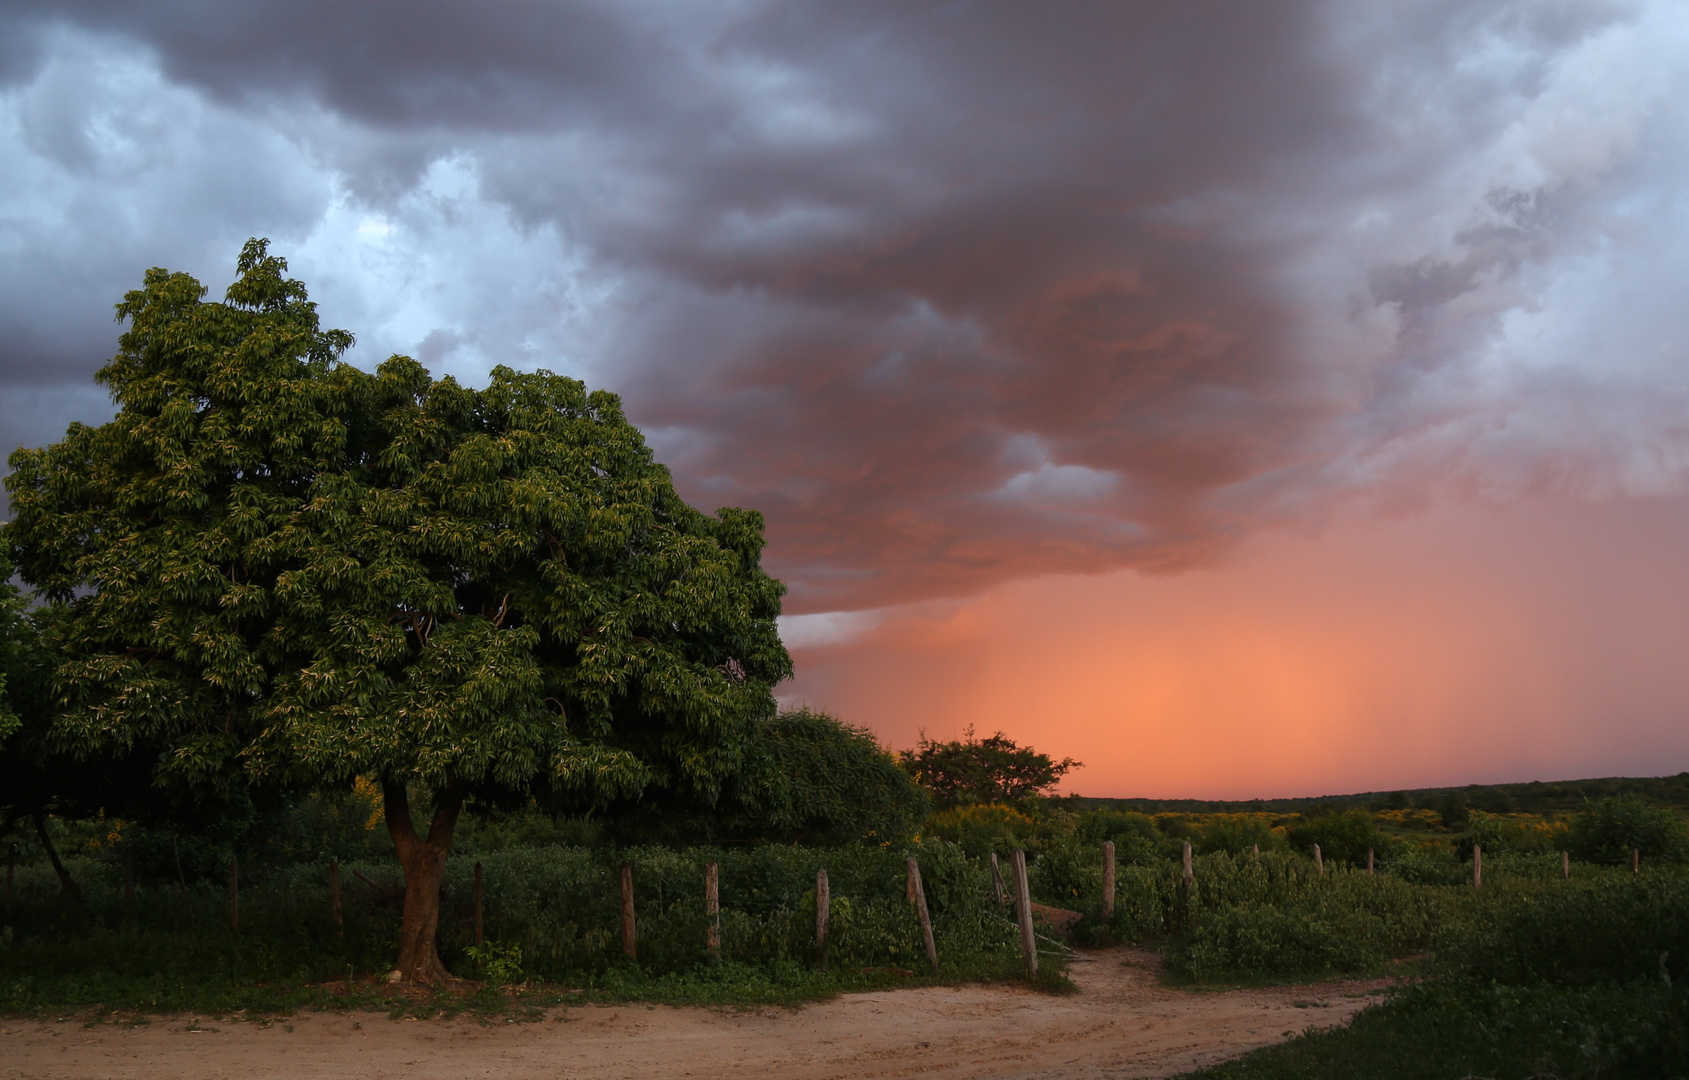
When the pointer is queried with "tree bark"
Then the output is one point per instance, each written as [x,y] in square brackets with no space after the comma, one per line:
[424,863]
[53,857]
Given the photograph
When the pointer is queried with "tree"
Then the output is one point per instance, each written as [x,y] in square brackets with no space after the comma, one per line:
[284,570]
[990,770]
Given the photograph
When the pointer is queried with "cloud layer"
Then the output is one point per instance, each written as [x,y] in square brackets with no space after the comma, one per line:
[955,293]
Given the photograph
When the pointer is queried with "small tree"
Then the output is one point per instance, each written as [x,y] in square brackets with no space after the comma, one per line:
[281,569]
[990,770]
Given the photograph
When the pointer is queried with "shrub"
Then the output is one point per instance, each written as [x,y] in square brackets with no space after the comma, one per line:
[1607,831]
[1238,834]
[1614,928]
[1276,941]
[1341,834]
[981,830]
[1513,833]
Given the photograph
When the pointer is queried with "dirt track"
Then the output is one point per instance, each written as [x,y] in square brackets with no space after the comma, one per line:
[1123,1023]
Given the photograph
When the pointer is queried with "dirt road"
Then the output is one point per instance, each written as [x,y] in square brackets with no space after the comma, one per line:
[1122,1023]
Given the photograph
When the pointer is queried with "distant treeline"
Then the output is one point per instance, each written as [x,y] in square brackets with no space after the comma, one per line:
[1536,797]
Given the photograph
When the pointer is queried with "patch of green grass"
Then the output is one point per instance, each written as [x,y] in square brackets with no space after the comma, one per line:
[1454,1029]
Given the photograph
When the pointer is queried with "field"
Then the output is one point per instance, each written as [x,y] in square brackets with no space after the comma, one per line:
[1533,973]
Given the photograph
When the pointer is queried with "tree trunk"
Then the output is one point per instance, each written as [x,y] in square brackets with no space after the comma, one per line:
[424,863]
[53,857]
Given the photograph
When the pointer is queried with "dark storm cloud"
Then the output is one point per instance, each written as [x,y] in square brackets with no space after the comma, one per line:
[967,291]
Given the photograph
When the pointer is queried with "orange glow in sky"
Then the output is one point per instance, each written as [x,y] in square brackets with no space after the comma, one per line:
[1547,640]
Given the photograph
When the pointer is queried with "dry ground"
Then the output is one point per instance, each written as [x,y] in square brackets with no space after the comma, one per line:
[1122,1023]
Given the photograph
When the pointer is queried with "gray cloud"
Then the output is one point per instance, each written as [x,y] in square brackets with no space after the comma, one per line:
[953,292]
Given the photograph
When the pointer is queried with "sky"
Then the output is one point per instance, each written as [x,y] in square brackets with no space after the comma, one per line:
[1244,399]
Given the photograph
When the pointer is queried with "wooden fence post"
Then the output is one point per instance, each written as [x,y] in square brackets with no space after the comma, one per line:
[128,884]
[921,913]
[629,946]
[1108,879]
[1319,860]
[234,894]
[1635,860]
[478,896]
[1477,867]
[1190,871]
[334,897]
[997,881]
[1255,854]
[1369,862]
[712,910]
[1023,908]
[1566,865]
[823,911]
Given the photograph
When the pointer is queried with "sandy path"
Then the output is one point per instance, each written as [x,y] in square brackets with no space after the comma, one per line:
[1123,1023]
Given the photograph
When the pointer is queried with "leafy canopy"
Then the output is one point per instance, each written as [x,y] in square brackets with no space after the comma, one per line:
[276,567]
[990,770]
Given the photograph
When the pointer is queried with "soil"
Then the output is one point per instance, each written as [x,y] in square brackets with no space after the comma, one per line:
[1123,1023]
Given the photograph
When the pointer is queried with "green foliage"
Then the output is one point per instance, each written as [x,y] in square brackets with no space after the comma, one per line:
[17,646]
[995,769]
[278,568]
[805,777]
[554,913]
[1277,918]
[1238,834]
[1447,1029]
[499,965]
[1607,831]
[983,829]
[1610,928]
[1341,834]
[1124,827]
[1513,834]
[1537,977]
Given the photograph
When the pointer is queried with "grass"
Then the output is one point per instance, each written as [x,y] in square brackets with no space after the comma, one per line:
[1449,1030]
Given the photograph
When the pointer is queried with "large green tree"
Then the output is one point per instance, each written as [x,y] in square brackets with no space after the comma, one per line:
[281,569]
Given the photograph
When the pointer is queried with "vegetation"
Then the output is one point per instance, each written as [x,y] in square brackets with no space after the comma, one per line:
[971,771]
[274,570]
[551,921]
[806,777]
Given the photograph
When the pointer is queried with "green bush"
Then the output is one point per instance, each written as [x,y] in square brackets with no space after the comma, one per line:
[1607,831]
[981,830]
[1238,834]
[1522,834]
[1343,835]
[1277,918]
[1614,928]
[1247,942]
